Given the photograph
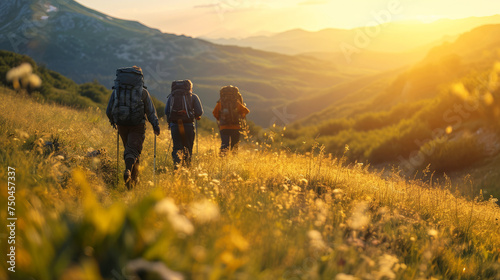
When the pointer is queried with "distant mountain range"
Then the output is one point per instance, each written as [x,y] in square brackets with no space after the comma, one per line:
[396,37]
[471,53]
[85,45]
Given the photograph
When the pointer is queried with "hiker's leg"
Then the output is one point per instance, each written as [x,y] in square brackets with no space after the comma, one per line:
[185,157]
[135,171]
[177,143]
[235,139]
[123,131]
[190,135]
[129,161]
[225,137]
[135,140]
[133,149]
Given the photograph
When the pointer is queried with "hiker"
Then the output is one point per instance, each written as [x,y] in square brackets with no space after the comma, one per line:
[182,109]
[229,112]
[128,108]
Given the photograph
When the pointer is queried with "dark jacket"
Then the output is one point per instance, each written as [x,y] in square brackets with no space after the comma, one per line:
[197,107]
[149,108]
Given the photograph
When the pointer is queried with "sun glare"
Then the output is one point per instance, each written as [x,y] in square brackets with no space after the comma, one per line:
[429,18]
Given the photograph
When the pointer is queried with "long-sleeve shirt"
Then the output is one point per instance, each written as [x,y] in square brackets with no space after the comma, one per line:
[242,109]
[197,107]
[149,108]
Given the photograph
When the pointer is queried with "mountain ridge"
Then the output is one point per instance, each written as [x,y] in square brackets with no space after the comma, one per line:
[297,41]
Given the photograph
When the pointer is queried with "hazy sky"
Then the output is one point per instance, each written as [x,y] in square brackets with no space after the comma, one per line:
[238,18]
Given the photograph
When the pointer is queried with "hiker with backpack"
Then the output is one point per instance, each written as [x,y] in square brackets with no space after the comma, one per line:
[182,109]
[128,108]
[229,112]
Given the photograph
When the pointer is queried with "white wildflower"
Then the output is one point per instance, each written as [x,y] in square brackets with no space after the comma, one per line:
[316,240]
[180,223]
[387,263]
[322,214]
[203,175]
[338,193]
[34,81]
[204,211]
[23,76]
[359,219]
[19,72]
[167,206]
[22,134]
[343,276]
[493,201]
[215,182]
[159,269]
[320,204]
[432,233]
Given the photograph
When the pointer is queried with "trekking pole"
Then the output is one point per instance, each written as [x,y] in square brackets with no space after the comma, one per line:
[154,165]
[197,136]
[117,157]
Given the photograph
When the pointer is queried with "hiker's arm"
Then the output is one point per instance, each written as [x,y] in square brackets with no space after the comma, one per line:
[110,107]
[150,109]
[216,111]
[243,110]
[167,109]
[198,108]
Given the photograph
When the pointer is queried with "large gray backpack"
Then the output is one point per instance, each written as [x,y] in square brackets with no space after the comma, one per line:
[181,102]
[128,107]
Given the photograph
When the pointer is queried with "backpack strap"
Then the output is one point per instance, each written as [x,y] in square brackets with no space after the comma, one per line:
[187,108]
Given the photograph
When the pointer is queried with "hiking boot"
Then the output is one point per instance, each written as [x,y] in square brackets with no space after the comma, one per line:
[135,172]
[127,178]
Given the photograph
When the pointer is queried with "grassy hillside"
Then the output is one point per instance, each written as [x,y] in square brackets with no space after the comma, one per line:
[262,214]
[55,87]
[341,100]
[59,89]
[442,112]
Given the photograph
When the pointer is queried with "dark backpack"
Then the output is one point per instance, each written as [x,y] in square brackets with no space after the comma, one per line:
[230,96]
[181,102]
[128,107]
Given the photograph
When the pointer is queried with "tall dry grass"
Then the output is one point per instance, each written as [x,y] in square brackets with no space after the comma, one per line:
[263,213]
